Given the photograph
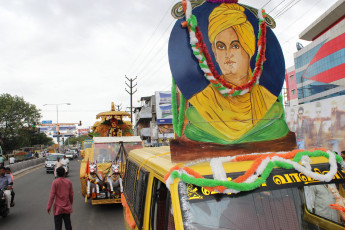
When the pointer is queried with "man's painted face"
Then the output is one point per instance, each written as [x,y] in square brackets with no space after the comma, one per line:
[230,55]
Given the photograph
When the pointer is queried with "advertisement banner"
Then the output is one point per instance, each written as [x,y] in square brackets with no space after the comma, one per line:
[47,128]
[319,124]
[47,122]
[67,127]
[83,131]
[163,107]
[165,131]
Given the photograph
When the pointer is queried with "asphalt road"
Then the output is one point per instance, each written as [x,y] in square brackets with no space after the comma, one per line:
[32,192]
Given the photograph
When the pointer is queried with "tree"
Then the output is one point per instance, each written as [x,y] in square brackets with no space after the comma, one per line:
[75,140]
[16,117]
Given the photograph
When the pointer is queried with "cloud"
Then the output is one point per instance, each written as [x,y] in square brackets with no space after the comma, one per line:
[80,51]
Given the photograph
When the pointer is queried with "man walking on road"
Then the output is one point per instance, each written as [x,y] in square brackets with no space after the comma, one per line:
[62,193]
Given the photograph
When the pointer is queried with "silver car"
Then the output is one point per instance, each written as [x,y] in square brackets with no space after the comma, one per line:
[50,161]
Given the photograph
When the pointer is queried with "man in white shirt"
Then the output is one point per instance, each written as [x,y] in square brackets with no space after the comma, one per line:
[65,160]
[57,164]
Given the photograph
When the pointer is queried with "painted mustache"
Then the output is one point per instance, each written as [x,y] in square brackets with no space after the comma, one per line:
[229,62]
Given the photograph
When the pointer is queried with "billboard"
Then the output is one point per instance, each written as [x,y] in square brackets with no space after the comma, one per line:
[67,128]
[163,107]
[47,128]
[83,131]
[165,131]
[319,124]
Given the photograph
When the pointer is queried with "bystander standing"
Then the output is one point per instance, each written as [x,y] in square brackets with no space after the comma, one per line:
[61,194]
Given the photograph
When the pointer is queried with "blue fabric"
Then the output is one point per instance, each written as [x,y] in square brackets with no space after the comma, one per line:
[3,182]
[185,68]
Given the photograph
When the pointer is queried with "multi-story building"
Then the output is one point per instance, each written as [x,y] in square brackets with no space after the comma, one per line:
[291,87]
[316,83]
[153,119]
[320,66]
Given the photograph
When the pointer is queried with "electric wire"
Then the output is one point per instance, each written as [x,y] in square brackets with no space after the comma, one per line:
[277,16]
[150,37]
[266,4]
[276,7]
[282,9]
[149,58]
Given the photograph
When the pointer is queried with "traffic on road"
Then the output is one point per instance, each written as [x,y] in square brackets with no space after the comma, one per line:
[32,189]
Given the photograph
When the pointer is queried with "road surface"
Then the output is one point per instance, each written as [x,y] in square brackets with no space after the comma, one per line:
[32,192]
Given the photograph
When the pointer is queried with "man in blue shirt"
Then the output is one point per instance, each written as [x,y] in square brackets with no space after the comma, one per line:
[4,184]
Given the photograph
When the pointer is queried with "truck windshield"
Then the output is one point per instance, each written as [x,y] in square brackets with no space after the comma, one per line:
[271,209]
[105,152]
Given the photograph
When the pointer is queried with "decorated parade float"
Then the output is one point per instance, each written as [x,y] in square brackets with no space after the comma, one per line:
[234,164]
[102,168]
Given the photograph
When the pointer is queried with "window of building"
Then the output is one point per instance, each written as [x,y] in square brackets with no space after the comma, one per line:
[291,77]
[293,91]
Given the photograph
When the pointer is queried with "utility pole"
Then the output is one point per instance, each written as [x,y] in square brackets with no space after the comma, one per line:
[131,86]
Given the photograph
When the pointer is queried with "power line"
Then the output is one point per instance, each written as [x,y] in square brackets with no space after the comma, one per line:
[287,9]
[147,60]
[266,4]
[284,7]
[276,6]
[156,67]
[151,36]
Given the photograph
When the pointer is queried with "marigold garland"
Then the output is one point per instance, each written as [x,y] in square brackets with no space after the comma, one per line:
[200,51]
[129,219]
[251,180]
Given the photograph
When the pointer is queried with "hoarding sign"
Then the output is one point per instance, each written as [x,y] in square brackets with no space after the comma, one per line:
[83,131]
[67,127]
[47,128]
[163,107]
[319,124]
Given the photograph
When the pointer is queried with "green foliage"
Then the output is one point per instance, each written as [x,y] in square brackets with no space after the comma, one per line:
[74,140]
[17,118]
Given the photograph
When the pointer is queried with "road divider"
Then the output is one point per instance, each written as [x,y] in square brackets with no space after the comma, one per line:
[26,165]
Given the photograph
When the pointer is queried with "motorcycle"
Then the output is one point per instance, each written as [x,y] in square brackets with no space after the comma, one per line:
[4,211]
[66,167]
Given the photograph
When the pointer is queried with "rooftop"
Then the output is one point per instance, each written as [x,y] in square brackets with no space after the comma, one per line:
[324,22]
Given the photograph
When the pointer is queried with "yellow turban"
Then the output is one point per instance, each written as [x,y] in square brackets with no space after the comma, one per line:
[232,15]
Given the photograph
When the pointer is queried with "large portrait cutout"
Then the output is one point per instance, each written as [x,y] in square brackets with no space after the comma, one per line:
[230,32]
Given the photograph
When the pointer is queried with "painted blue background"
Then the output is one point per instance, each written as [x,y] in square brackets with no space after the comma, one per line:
[184,66]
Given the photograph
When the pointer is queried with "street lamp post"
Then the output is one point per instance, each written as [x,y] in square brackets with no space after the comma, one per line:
[57,121]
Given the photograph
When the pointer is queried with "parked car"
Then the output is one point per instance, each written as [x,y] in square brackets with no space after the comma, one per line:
[70,154]
[50,161]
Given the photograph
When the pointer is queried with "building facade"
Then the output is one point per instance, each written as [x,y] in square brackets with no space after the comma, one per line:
[316,84]
[153,119]
[320,66]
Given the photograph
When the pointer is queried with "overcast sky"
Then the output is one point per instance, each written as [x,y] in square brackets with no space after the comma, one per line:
[79,51]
